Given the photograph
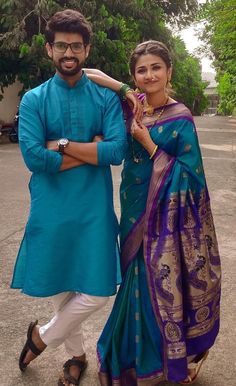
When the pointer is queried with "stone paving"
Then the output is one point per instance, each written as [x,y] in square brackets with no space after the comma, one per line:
[218,142]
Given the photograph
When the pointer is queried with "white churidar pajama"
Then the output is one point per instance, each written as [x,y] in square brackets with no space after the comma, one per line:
[71,309]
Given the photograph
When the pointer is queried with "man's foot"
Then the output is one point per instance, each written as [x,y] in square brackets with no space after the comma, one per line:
[72,371]
[33,346]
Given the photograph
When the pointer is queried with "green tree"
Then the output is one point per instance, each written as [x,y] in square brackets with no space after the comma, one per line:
[118,26]
[187,81]
[22,42]
[219,18]
[227,92]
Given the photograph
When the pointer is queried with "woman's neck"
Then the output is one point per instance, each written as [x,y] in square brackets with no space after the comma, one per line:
[156,100]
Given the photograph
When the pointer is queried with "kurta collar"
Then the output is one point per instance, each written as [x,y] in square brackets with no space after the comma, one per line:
[62,83]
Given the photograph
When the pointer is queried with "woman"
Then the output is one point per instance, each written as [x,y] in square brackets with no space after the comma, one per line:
[166,314]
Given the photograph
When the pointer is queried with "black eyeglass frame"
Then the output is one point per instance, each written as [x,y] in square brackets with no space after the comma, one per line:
[69,45]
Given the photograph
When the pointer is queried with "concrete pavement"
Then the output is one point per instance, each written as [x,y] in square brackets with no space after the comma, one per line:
[218,142]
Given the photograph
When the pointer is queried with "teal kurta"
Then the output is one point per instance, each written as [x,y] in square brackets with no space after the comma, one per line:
[71,235]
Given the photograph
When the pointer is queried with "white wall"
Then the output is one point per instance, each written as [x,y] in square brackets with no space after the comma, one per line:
[9,103]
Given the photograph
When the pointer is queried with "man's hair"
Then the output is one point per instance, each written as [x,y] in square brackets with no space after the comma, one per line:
[69,21]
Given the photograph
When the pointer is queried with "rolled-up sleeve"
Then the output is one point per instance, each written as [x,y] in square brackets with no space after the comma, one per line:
[32,138]
[111,151]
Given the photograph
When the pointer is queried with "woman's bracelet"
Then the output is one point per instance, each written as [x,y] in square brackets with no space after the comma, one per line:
[124,89]
[154,152]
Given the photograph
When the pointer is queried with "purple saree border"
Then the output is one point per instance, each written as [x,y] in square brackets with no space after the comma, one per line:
[169,165]
[148,375]
[129,376]
[178,370]
[139,219]
[131,240]
[172,119]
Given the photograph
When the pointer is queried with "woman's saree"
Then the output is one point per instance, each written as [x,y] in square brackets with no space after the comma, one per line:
[167,307]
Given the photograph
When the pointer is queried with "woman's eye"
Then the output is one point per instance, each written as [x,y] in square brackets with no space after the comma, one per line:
[156,68]
[141,71]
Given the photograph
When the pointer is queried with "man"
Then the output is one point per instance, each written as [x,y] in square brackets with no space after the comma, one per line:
[69,247]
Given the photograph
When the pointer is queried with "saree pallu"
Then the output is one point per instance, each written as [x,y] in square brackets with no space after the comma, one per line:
[167,308]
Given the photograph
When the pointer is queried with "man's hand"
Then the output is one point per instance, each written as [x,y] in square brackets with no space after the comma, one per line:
[98,138]
[52,145]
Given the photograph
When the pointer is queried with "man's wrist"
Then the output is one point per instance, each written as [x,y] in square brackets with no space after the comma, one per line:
[62,144]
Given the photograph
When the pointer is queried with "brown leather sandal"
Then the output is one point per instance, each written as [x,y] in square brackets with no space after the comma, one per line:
[66,372]
[29,345]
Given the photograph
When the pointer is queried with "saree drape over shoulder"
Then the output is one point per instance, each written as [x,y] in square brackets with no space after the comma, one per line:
[167,308]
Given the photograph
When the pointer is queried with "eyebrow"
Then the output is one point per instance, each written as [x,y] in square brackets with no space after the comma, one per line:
[61,41]
[152,64]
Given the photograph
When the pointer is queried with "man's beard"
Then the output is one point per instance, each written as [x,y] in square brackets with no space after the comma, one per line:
[69,72]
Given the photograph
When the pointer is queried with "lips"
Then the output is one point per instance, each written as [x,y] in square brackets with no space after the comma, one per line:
[69,63]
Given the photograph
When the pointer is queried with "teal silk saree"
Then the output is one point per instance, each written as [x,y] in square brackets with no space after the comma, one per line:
[167,307]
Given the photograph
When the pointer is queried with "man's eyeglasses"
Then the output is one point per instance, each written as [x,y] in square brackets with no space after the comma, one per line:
[61,47]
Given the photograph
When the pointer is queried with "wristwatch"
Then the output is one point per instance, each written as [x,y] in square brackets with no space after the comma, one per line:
[62,144]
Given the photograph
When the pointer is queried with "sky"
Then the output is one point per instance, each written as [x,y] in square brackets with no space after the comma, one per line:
[192,42]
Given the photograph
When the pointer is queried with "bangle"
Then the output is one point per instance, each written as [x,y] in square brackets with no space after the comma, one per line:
[154,152]
[123,91]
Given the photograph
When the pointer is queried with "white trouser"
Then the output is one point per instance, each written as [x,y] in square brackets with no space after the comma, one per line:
[71,309]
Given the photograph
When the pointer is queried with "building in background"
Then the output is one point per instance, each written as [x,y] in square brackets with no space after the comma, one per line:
[211,92]
[9,103]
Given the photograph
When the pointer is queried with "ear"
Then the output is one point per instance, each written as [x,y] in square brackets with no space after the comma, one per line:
[138,89]
[87,50]
[49,50]
[169,74]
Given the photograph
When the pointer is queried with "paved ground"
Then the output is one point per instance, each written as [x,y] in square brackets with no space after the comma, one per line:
[218,141]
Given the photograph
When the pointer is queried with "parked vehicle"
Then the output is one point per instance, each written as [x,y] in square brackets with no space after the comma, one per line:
[10,129]
[13,135]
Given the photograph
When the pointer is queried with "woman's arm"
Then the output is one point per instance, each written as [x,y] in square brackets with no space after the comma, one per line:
[105,80]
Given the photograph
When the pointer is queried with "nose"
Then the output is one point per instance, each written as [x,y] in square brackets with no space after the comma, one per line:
[70,51]
[149,75]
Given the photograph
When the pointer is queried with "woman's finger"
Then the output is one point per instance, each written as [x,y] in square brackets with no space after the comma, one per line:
[139,111]
[135,104]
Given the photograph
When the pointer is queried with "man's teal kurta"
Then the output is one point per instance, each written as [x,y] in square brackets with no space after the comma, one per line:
[70,238]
